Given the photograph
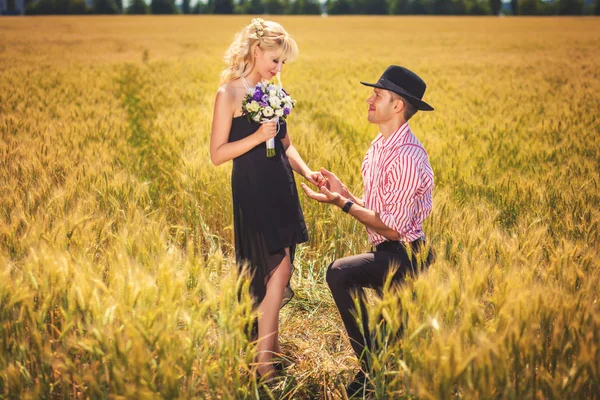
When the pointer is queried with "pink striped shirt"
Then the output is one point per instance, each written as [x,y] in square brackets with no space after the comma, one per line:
[398,184]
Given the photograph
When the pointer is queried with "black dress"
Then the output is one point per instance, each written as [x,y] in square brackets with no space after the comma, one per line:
[266,211]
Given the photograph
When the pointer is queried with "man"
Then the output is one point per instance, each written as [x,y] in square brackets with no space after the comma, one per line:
[398,183]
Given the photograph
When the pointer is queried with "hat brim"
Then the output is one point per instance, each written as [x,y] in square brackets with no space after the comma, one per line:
[418,103]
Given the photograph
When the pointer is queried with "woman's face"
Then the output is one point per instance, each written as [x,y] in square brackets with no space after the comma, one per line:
[268,63]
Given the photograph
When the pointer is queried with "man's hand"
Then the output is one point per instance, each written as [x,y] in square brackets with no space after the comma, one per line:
[325,196]
[333,183]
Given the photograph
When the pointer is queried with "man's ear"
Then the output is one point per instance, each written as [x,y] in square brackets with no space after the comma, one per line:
[398,105]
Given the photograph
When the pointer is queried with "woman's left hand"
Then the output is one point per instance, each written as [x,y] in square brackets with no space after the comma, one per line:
[316,178]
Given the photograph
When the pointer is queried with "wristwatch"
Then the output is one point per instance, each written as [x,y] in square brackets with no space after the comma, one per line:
[347,206]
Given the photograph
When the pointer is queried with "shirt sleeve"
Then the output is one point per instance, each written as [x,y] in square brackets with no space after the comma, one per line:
[398,192]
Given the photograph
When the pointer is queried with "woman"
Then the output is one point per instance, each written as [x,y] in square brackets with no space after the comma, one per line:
[268,220]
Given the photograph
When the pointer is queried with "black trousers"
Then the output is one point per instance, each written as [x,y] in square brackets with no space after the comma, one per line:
[350,275]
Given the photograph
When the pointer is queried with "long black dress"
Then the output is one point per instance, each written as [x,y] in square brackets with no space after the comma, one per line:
[266,210]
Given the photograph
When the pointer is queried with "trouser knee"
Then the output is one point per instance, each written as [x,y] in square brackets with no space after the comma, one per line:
[334,277]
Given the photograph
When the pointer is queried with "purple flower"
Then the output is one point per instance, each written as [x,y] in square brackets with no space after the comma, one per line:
[263,103]
[258,94]
[265,98]
[286,110]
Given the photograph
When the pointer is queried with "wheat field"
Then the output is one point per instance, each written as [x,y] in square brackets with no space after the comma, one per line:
[117,272]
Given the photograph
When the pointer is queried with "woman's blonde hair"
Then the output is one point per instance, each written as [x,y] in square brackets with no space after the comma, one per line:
[268,35]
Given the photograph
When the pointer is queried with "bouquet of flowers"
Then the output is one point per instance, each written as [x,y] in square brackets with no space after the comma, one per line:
[268,102]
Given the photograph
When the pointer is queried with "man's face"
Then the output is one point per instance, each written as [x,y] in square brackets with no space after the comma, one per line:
[381,106]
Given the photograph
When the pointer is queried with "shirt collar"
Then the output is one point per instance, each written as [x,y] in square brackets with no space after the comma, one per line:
[394,139]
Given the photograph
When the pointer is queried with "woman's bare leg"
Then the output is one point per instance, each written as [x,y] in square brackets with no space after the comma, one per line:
[276,347]
[268,320]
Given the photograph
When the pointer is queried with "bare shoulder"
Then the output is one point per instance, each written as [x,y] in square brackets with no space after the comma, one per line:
[232,88]
[225,91]
[231,92]
[225,99]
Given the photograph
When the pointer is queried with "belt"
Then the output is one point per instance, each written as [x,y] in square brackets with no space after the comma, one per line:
[398,246]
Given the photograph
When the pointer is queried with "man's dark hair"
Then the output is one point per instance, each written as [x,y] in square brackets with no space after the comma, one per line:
[409,109]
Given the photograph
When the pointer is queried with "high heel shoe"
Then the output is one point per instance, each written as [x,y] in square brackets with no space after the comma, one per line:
[281,363]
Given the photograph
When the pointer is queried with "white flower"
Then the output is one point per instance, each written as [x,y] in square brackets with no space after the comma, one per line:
[268,111]
[253,106]
[272,92]
[287,99]
[279,112]
[274,101]
[256,118]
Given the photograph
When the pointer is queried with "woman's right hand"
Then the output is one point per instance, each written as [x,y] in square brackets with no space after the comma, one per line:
[267,130]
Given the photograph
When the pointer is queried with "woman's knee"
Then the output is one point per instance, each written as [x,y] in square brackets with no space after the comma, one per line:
[286,271]
[282,274]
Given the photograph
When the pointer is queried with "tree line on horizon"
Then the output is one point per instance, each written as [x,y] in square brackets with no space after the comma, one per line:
[313,7]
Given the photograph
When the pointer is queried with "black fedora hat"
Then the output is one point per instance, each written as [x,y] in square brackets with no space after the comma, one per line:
[404,82]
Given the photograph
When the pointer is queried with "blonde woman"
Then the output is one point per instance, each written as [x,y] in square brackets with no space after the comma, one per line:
[268,220]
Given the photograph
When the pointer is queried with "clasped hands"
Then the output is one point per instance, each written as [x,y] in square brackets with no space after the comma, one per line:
[331,189]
